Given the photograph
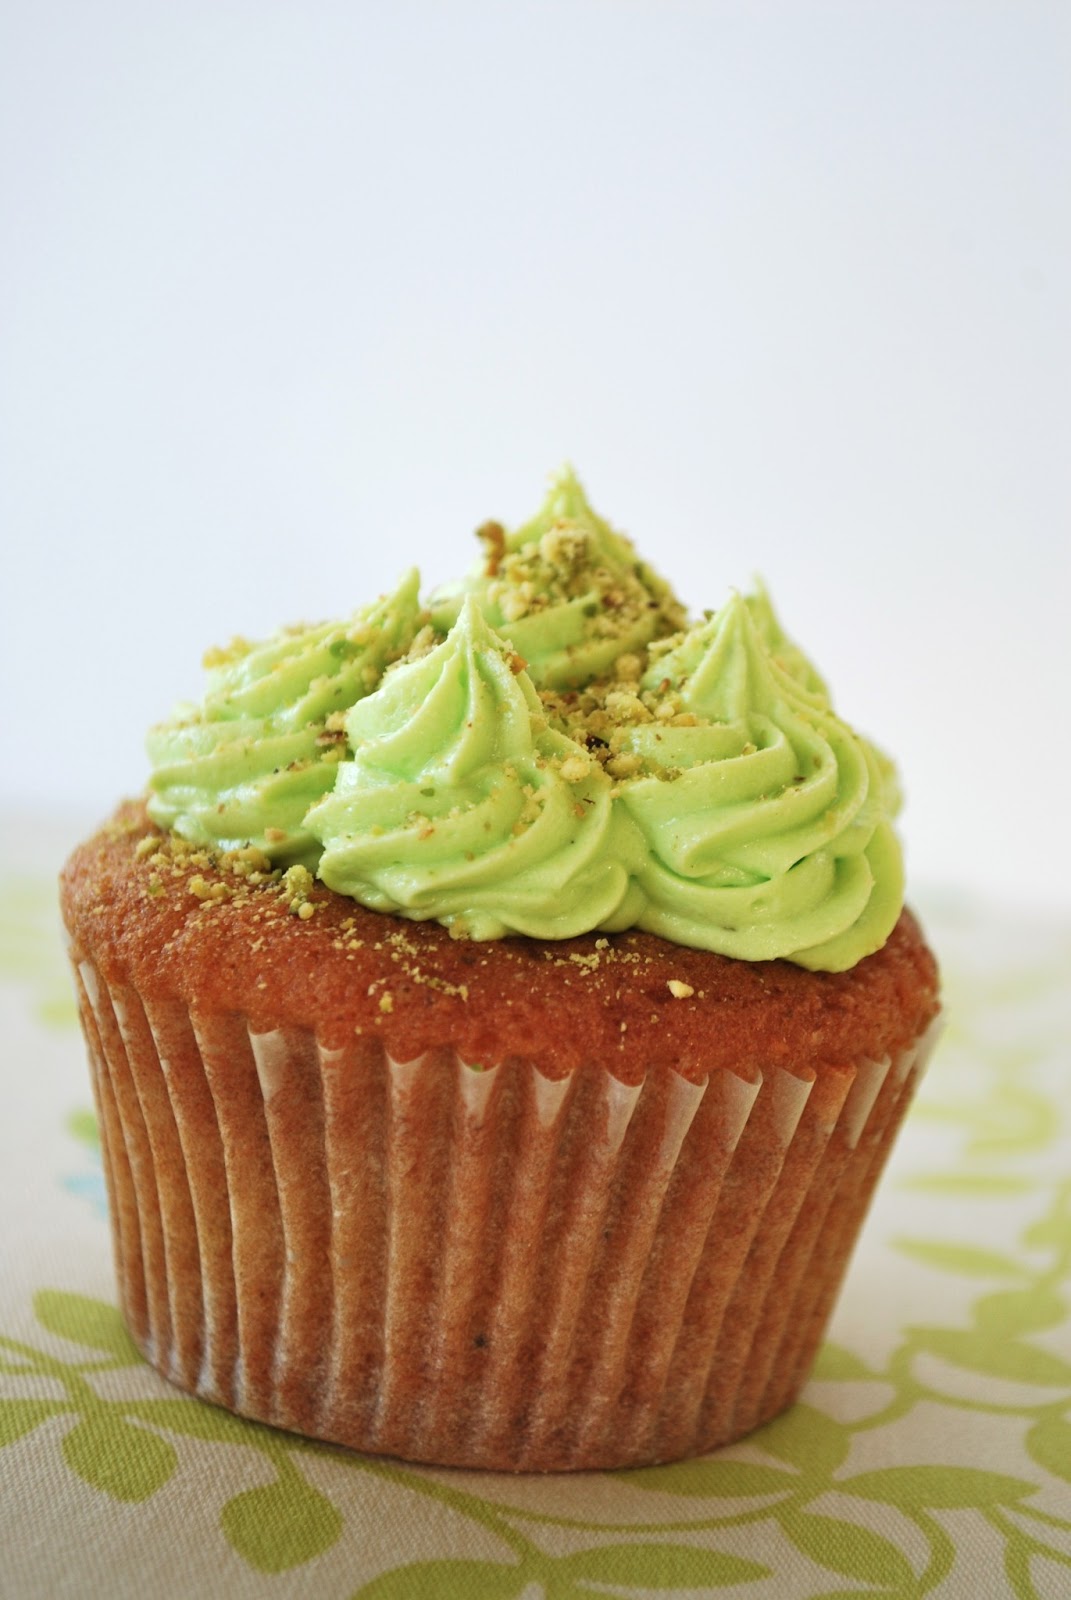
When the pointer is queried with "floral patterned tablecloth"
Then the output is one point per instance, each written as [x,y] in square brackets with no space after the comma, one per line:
[931,1454]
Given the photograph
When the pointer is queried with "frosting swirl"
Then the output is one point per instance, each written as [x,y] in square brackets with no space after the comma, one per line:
[565,590]
[785,652]
[548,750]
[771,837]
[461,804]
[244,767]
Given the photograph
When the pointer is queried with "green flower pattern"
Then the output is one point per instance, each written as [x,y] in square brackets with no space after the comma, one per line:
[820,1502]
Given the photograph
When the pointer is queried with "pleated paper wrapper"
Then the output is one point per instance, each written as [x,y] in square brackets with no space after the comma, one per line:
[481,1268]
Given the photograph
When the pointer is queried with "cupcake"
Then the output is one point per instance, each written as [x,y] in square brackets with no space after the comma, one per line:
[500,1010]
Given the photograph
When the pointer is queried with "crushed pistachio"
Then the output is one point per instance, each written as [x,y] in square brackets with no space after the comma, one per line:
[295,887]
[626,765]
[226,655]
[209,892]
[575,768]
[492,535]
[248,862]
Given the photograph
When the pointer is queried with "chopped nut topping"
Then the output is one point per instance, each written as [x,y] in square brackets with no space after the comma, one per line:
[209,892]
[626,707]
[575,768]
[492,536]
[295,888]
[625,765]
[225,655]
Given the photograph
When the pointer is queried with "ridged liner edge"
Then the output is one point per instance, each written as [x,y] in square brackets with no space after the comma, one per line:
[482,1268]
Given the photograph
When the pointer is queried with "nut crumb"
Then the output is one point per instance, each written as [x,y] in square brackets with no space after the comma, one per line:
[575,768]
[679,990]
[209,892]
[493,537]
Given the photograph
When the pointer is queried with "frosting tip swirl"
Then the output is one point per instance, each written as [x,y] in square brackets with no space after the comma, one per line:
[550,748]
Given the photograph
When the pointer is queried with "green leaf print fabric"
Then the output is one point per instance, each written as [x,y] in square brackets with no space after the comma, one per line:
[931,1454]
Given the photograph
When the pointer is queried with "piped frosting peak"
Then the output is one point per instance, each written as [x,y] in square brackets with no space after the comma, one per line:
[550,749]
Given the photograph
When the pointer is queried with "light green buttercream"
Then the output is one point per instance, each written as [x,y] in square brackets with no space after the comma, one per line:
[786,653]
[692,782]
[566,591]
[456,806]
[245,766]
[773,839]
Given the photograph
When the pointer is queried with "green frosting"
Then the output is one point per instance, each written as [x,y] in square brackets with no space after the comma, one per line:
[461,804]
[567,592]
[245,766]
[771,836]
[788,655]
[553,753]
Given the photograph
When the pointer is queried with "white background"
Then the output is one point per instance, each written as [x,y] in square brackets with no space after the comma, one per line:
[295,293]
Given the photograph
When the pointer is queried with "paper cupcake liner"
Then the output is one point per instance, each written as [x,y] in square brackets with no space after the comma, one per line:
[476,1268]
